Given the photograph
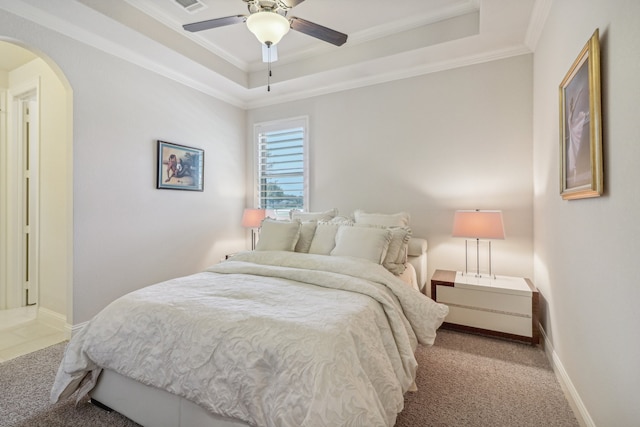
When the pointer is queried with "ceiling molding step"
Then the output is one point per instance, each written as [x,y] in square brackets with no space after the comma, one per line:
[318,90]
[133,18]
[413,40]
[197,38]
[414,22]
[539,15]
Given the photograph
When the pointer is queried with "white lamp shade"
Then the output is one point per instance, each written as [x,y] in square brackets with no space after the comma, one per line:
[252,218]
[268,27]
[478,224]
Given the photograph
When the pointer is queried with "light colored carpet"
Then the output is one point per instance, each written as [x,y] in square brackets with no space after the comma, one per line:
[463,380]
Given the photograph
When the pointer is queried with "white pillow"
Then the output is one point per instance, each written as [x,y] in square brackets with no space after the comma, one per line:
[307,230]
[396,258]
[400,219]
[362,242]
[278,235]
[310,216]
[324,238]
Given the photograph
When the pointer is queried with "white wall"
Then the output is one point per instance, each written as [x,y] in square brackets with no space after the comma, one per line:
[586,250]
[126,233]
[54,276]
[459,139]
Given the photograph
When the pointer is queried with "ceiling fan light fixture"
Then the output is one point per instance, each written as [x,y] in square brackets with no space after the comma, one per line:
[268,27]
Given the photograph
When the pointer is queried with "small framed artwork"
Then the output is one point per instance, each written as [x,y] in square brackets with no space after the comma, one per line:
[180,167]
[581,126]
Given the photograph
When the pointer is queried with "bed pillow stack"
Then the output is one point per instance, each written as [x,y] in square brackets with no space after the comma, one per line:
[295,234]
[324,239]
[309,223]
[398,226]
[380,238]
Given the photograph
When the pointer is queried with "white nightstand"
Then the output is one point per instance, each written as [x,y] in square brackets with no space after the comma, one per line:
[506,307]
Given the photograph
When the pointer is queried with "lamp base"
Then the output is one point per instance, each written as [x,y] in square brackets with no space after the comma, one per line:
[466,261]
[254,239]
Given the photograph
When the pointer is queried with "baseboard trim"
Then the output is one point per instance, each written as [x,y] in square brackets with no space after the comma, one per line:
[570,392]
[55,320]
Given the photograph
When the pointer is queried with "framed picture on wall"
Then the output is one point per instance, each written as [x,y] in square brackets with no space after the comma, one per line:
[180,167]
[581,126]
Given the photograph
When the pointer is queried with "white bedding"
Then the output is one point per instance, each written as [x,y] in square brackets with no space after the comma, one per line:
[270,338]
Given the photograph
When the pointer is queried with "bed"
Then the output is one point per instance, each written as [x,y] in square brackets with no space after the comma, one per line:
[286,335]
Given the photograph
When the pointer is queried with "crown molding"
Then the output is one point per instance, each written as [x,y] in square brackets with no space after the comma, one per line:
[539,15]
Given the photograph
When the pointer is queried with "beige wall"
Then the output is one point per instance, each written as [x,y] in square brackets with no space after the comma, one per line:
[459,139]
[586,250]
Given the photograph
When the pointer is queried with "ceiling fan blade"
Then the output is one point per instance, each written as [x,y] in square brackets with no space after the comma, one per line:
[291,3]
[214,23]
[318,31]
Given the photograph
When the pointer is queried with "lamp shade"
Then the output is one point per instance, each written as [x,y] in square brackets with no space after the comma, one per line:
[478,224]
[268,27]
[252,218]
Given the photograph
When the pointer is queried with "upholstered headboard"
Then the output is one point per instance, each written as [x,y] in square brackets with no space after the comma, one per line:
[417,257]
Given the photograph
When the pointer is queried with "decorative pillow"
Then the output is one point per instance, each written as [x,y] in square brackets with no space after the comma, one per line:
[400,219]
[342,220]
[362,242]
[307,230]
[396,258]
[324,238]
[278,235]
[310,216]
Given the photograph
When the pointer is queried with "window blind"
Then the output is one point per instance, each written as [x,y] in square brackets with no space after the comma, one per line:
[281,169]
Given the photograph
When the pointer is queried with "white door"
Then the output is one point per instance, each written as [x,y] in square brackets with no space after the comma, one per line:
[29,141]
[21,202]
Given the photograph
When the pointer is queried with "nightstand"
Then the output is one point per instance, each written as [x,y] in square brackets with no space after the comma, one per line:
[505,307]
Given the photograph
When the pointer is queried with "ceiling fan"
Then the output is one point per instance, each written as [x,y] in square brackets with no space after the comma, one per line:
[268,20]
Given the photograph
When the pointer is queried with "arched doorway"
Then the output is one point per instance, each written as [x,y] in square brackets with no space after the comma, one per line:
[35,191]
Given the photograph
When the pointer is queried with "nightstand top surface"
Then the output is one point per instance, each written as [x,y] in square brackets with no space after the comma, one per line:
[502,284]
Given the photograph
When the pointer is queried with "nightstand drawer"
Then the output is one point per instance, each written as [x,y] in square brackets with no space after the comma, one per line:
[509,324]
[485,300]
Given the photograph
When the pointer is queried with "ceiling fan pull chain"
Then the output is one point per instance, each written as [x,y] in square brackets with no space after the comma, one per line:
[269,67]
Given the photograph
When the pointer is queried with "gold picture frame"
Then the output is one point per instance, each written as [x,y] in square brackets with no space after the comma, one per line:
[581,126]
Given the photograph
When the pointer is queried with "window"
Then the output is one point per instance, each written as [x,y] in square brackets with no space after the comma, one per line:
[282,167]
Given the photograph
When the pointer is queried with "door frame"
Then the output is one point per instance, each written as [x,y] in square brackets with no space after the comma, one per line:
[3,198]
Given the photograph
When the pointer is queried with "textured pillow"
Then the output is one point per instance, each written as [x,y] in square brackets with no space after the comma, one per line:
[307,230]
[324,238]
[400,219]
[362,242]
[310,216]
[278,235]
[396,258]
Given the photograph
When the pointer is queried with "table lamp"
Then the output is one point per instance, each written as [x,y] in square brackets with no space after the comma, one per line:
[478,224]
[252,218]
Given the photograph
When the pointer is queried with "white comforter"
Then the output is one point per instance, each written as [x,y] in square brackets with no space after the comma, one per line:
[270,338]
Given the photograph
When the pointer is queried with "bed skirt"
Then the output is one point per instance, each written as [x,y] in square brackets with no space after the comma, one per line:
[150,406]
